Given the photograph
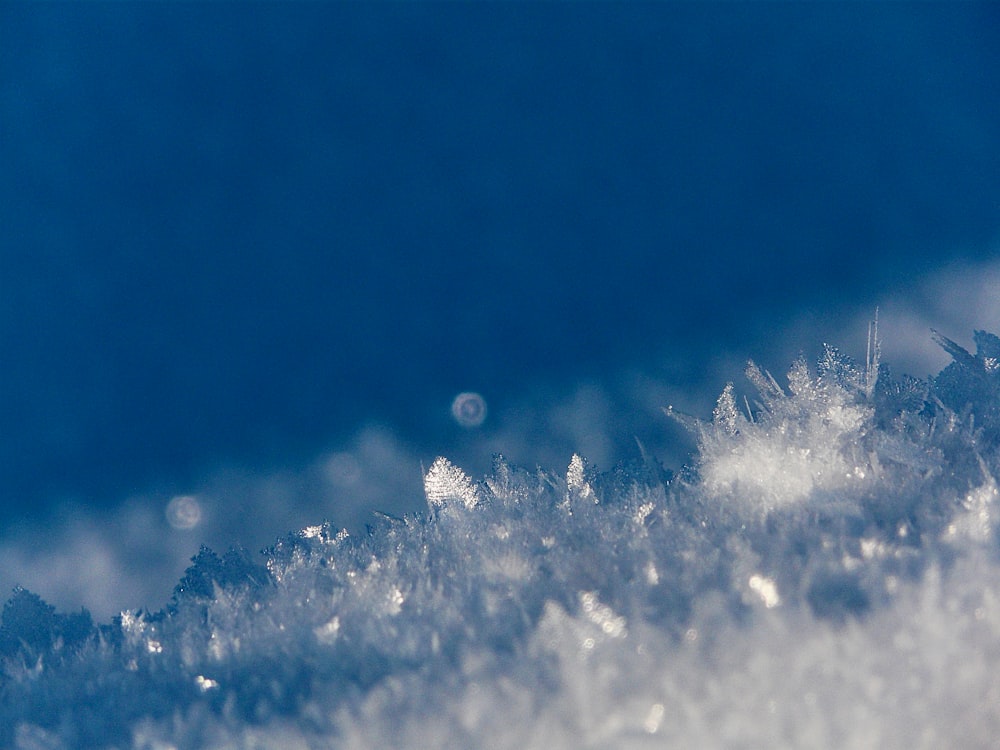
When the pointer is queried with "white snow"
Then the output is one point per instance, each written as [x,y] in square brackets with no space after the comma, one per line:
[824,574]
[796,443]
[444,482]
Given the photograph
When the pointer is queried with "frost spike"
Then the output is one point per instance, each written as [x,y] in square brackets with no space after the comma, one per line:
[764,382]
[957,353]
[689,423]
[872,357]
[445,482]
[577,486]
[725,414]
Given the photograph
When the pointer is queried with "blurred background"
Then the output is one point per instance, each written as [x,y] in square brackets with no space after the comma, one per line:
[251,253]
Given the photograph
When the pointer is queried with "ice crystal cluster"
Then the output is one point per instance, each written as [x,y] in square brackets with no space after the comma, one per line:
[825,574]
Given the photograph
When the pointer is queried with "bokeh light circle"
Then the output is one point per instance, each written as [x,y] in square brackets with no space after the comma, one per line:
[183,512]
[469,409]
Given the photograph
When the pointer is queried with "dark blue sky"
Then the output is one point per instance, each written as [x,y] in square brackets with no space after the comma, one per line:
[235,232]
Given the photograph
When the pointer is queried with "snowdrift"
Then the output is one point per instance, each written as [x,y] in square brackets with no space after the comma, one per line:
[824,574]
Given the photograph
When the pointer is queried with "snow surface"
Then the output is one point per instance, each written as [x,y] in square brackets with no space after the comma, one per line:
[824,574]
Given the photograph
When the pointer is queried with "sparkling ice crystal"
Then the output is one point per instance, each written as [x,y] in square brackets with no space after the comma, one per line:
[825,574]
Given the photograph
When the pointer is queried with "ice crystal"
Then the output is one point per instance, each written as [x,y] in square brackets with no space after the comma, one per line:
[824,574]
[444,482]
[796,443]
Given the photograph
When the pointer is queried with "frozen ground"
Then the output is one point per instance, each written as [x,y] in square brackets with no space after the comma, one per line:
[824,574]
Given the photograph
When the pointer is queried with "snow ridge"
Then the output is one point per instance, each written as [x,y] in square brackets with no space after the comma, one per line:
[825,574]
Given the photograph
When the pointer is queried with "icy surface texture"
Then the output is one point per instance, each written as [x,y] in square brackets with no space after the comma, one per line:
[824,574]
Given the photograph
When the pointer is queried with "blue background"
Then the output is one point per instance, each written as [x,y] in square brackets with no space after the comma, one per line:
[233,233]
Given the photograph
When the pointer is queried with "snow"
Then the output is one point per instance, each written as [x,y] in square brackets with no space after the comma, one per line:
[444,482]
[824,573]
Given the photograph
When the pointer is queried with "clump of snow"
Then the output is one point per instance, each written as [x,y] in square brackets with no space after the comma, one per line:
[824,574]
[809,439]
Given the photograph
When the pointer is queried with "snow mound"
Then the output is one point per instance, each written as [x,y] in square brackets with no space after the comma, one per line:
[825,574]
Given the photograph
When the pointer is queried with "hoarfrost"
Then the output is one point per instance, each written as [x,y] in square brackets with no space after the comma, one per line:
[808,439]
[578,489]
[445,482]
[824,574]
